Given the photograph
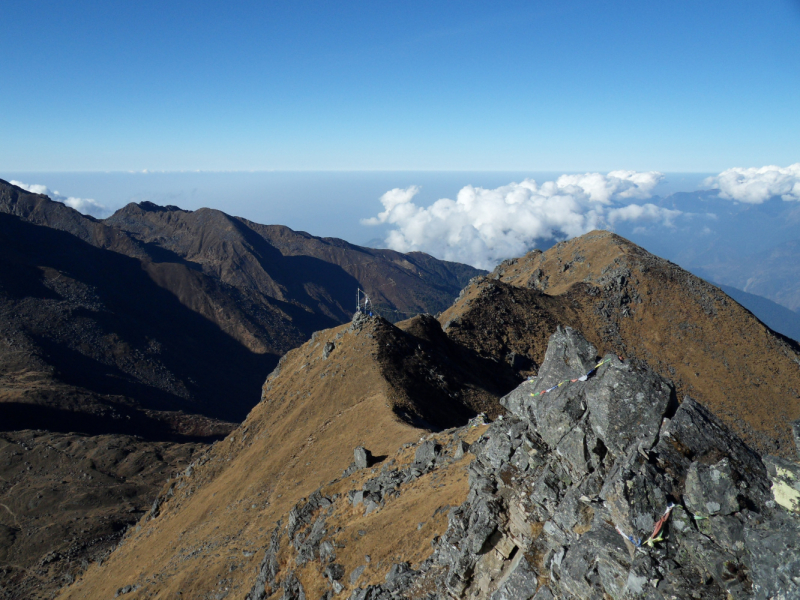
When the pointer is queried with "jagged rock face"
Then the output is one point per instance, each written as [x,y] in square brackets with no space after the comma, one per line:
[621,494]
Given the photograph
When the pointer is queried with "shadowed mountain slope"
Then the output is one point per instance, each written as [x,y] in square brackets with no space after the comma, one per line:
[630,302]
[162,310]
[319,275]
[67,499]
[89,331]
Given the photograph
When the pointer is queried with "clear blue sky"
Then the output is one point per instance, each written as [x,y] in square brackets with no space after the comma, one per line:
[561,86]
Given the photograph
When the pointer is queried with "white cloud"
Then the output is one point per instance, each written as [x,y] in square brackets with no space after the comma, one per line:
[83,205]
[482,227]
[757,185]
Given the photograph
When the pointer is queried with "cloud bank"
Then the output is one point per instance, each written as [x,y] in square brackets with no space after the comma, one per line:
[757,185]
[484,226]
[83,205]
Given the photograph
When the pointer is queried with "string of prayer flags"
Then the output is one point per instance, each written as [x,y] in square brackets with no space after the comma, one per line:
[655,537]
[635,541]
[581,378]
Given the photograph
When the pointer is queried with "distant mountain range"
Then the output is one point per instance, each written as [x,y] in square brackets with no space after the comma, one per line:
[772,273]
[126,341]
[164,322]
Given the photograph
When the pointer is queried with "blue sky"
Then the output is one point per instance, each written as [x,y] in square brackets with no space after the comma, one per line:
[569,86]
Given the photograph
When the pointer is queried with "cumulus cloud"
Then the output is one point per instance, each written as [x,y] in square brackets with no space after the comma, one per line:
[86,206]
[484,226]
[757,185]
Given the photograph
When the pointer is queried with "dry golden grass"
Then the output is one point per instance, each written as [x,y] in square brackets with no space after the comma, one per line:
[713,349]
[299,438]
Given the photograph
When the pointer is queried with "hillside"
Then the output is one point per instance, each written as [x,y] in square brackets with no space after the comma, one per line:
[354,385]
[634,304]
[104,336]
[605,488]
[90,342]
[163,313]
[68,498]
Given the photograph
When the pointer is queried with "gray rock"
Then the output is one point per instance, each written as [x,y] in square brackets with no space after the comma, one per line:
[496,451]
[568,356]
[400,576]
[427,452]
[572,448]
[308,545]
[370,506]
[327,552]
[520,582]
[303,512]
[626,405]
[334,572]
[544,593]
[557,412]
[461,448]
[327,349]
[362,458]
[356,574]
[710,489]
[796,432]
[292,588]
[774,550]
[265,583]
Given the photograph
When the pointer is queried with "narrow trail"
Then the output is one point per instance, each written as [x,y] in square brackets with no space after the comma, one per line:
[11,512]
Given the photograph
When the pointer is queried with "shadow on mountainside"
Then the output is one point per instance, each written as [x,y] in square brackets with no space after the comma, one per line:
[443,384]
[100,320]
[17,416]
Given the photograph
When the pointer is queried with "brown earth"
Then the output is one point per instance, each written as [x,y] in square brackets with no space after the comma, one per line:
[66,500]
[630,302]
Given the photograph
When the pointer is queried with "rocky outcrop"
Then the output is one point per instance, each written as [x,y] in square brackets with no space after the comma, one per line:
[629,302]
[606,488]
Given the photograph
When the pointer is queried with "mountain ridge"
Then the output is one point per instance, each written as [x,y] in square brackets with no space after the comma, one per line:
[115,346]
[222,269]
[635,304]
